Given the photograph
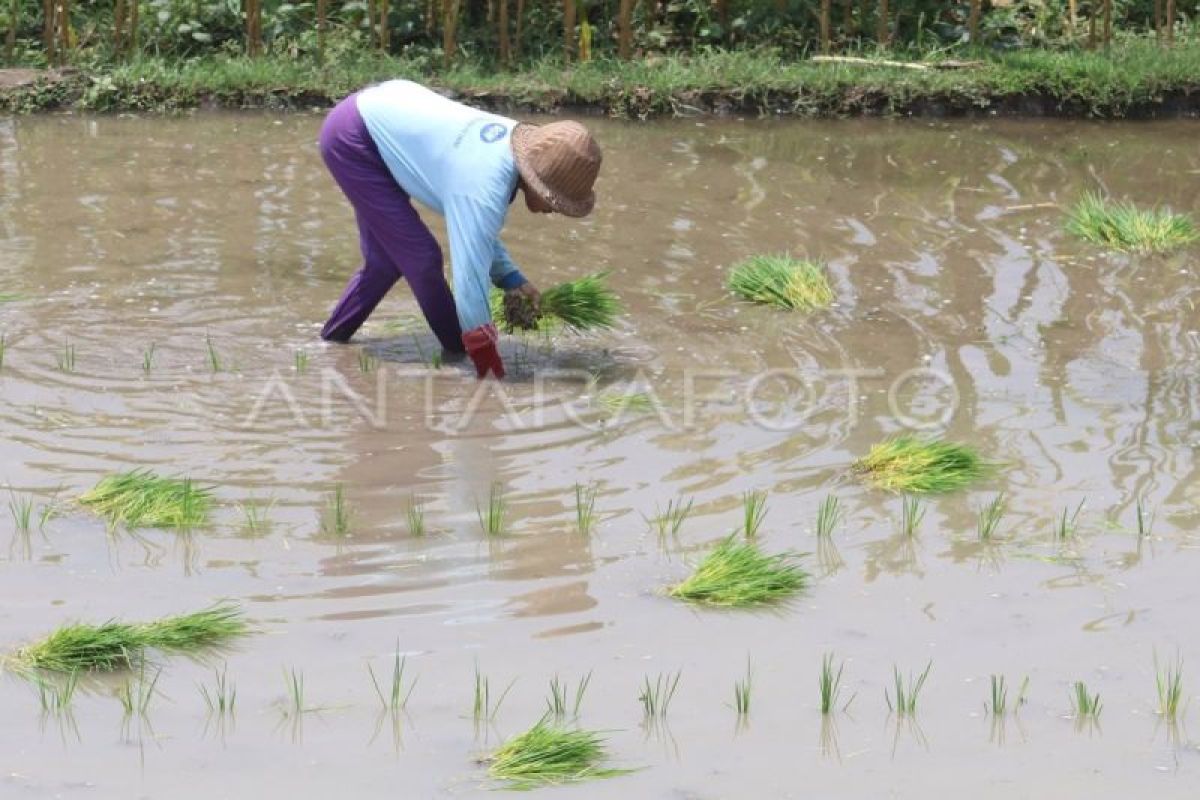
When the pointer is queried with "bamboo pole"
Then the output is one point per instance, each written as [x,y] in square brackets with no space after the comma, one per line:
[882,34]
[502,24]
[322,25]
[625,29]
[449,29]
[973,21]
[568,29]
[385,33]
[824,21]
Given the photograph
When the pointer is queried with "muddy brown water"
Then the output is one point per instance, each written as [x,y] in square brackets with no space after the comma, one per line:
[962,309]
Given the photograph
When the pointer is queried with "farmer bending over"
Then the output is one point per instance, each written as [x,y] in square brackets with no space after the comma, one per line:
[399,141]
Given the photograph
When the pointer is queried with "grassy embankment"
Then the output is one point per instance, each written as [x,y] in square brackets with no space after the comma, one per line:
[1133,79]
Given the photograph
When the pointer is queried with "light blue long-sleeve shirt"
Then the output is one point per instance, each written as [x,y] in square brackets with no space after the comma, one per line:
[457,161]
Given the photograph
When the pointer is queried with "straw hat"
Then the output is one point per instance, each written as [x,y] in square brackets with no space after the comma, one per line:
[559,163]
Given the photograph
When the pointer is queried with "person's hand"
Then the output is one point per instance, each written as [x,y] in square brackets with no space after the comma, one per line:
[530,292]
[481,347]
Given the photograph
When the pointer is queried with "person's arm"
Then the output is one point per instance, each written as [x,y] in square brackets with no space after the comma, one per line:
[473,227]
[504,273]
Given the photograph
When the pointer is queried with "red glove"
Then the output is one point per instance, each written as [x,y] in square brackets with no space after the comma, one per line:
[481,347]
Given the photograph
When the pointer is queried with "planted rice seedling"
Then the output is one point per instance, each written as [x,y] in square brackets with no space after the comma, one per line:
[1084,705]
[829,514]
[997,704]
[557,703]
[668,521]
[294,682]
[148,359]
[989,517]
[483,709]
[492,517]
[656,697]
[256,516]
[396,698]
[754,509]
[782,281]
[1067,522]
[739,575]
[301,362]
[829,685]
[214,358]
[911,514]
[546,755]
[21,509]
[616,404]
[585,509]
[66,359]
[414,514]
[56,693]
[135,695]
[336,520]
[741,692]
[143,499]
[366,362]
[3,348]
[918,465]
[904,703]
[1169,682]
[1145,518]
[116,645]
[1122,226]
[221,697]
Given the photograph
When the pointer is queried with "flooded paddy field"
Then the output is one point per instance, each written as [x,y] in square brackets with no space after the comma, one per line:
[165,280]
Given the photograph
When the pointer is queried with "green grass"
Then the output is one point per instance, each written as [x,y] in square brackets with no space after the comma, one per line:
[1084,705]
[483,709]
[829,514]
[214,358]
[742,690]
[116,645]
[583,304]
[907,692]
[1124,227]
[781,281]
[668,521]
[221,697]
[829,685]
[561,698]
[492,516]
[737,574]
[1169,682]
[547,755]
[585,509]
[656,696]
[66,358]
[396,697]
[989,517]
[336,520]
[911,514]
[143,499]
[414,514]
[921,466]
[1068,522]
[754,510]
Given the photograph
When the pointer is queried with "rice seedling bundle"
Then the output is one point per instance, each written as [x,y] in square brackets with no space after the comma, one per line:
[738,574]
[580,305]
[117,645]
[142,498]
[547,755]
[917,465]
[781,281]
[1122,226]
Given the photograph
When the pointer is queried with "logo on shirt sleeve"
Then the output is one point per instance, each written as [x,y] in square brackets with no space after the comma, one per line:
[492,132]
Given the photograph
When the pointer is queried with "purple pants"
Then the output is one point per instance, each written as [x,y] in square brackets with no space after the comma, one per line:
[395,242]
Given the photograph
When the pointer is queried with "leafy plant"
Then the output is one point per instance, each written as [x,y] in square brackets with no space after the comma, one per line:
[737,574]
[782,281]
[1122,226]
[912,464]
[142,498]
[546,755]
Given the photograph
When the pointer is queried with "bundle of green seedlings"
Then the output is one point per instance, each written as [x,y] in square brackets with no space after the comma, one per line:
[142,498]
[779,280]
[738,574]
[117,645]
[921,466]
[580,305]
[547,754]
[1124,227]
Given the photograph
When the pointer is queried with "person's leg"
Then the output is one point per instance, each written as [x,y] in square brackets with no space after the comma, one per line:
[392,236]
